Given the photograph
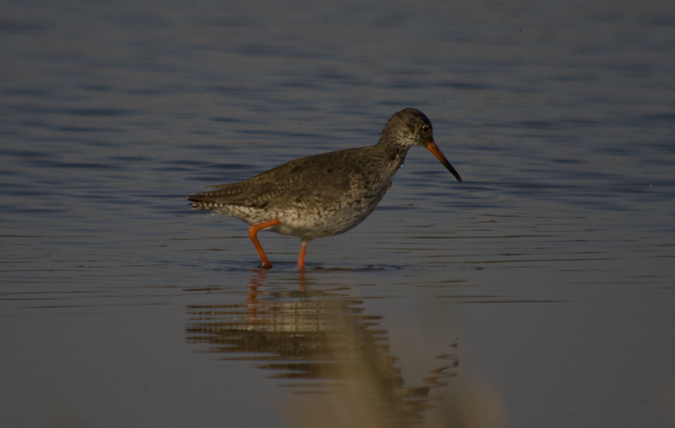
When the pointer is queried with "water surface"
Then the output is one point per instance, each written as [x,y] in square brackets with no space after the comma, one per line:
[539,290]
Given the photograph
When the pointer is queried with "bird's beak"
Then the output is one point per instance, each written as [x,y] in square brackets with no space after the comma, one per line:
[433,148]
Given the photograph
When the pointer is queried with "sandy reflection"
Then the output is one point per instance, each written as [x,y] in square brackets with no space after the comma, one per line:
[317,342]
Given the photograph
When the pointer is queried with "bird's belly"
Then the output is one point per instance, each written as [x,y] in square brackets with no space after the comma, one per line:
[320,223]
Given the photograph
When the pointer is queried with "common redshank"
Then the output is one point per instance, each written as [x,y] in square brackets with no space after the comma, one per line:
[326,194]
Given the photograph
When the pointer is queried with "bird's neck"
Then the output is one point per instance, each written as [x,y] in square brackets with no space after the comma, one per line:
[394,153]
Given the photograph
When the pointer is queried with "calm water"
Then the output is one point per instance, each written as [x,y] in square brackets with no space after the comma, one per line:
[537,293]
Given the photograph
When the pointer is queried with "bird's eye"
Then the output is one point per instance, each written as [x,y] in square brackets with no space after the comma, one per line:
[425,129]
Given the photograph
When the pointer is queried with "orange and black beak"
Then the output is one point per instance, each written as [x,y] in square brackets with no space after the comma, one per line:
[433,148]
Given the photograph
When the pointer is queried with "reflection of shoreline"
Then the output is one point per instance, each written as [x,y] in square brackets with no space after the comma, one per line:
[314,340]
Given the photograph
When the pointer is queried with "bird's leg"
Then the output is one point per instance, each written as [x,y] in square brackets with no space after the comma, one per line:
[301,259]
[253,231]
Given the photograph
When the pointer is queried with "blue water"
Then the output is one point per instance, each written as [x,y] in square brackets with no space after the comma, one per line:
[542,284]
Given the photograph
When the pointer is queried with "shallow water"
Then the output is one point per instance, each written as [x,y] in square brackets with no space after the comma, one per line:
[538,292]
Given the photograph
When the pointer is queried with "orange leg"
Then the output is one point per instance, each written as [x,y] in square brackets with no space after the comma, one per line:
[253,231]
[301,259]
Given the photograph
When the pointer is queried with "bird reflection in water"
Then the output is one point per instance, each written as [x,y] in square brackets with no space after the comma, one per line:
[317,341]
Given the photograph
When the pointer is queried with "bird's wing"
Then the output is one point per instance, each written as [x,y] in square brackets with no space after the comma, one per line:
[327,176]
